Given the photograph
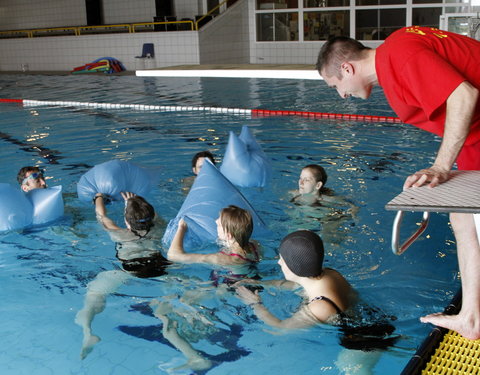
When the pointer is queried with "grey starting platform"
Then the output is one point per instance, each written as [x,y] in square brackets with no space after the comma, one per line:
[461,193]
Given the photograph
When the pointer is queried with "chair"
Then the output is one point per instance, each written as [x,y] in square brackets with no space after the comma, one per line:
[147,51]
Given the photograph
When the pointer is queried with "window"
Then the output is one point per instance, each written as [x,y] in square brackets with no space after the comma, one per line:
[277,27]
[277,4]
[381,2]
[323,25]
[377,24]
[426,16]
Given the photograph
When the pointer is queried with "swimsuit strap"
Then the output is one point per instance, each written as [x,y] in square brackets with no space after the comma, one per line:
[241,256]
[326,299]
[235,255]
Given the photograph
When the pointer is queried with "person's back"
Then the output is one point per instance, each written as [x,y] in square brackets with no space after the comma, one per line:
[333,286]
[414,91]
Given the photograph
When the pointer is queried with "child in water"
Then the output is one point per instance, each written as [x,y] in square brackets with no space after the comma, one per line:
[320,204]
[311,186]
[328,293]
[234,228]
[136,247]
[329,298]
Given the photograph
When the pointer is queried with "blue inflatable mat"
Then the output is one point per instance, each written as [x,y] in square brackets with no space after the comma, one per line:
[111,178]
[245,164]
[19,210]
[210,192]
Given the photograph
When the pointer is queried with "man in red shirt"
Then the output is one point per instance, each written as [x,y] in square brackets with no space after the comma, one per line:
[431,78]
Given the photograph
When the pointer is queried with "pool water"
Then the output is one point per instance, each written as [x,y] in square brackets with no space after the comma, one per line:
[45,270]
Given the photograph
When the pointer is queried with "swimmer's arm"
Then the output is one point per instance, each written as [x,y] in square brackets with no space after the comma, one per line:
[101,213]
[300,319]
[279,284]
[177,253]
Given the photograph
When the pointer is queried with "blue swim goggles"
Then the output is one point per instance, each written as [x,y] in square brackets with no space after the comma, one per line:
[33,176]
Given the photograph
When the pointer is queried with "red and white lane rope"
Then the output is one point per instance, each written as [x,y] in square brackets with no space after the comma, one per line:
[178,108]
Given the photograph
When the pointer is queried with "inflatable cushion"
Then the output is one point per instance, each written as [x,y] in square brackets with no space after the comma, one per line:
[111,178]
[47,204]
[38,206]
[244,163]
[210,192]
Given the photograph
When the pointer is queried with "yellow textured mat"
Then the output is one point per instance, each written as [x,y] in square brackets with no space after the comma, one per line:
[455,355]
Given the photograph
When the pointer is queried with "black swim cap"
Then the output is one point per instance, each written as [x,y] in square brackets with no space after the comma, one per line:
[303,253]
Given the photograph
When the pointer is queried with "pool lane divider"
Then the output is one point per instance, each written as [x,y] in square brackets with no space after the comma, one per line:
[238,111]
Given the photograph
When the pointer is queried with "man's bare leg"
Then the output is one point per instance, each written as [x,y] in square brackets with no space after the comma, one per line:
[467,322]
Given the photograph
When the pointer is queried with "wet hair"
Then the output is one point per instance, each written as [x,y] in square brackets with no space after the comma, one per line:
[303,253]
[239,223]
[335,52]
[318,173]
[202,154]
[139,214]
[22,173]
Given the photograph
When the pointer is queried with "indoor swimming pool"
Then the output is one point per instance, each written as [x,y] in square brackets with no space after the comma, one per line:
[45,270]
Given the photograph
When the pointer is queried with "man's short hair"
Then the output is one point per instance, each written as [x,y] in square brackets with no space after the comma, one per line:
[202,154]
[335,52]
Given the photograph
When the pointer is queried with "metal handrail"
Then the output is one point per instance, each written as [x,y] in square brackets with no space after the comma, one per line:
[78,29]
[209,13]
[400,249]
[127,25]
[162,23]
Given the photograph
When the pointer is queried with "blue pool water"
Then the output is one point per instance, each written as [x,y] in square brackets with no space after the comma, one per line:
[45,271]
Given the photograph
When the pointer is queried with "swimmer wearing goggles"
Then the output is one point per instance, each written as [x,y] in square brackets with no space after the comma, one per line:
[33,180]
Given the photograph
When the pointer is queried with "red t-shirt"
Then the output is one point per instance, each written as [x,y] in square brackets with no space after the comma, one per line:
[419,67]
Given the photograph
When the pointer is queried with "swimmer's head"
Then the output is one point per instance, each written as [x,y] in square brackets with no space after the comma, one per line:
[31,178]
[302,252]
[199,159]
[139,214]
[312,179]
[237,223]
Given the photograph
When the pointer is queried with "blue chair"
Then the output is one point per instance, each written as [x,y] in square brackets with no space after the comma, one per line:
[147,51]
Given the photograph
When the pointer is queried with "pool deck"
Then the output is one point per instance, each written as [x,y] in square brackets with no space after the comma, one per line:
[289,71]
[285,71]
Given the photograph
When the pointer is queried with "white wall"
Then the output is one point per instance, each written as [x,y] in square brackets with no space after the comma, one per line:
[67,52]
[186,9]
[230,38]
[31,14]
[128,11]
[226,39]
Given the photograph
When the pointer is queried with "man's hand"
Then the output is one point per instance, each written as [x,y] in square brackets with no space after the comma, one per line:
[432,176]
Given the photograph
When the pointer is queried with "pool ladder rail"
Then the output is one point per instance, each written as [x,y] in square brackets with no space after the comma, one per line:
[446,352]
[459,194]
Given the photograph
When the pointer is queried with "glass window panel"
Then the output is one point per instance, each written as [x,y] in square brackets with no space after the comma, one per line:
[377,24]
[323,25]
[277,4]
[325,3]
[277,27]
[427,1]
[457,10]
[426,16]
[379,2]
[458,25]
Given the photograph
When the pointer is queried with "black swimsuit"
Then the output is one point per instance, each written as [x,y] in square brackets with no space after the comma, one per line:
[326,299]
[364,337]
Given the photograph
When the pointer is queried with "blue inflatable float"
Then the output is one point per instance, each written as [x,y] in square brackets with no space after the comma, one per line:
[245,164]
[111,178]
[210,192]
[19,210]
